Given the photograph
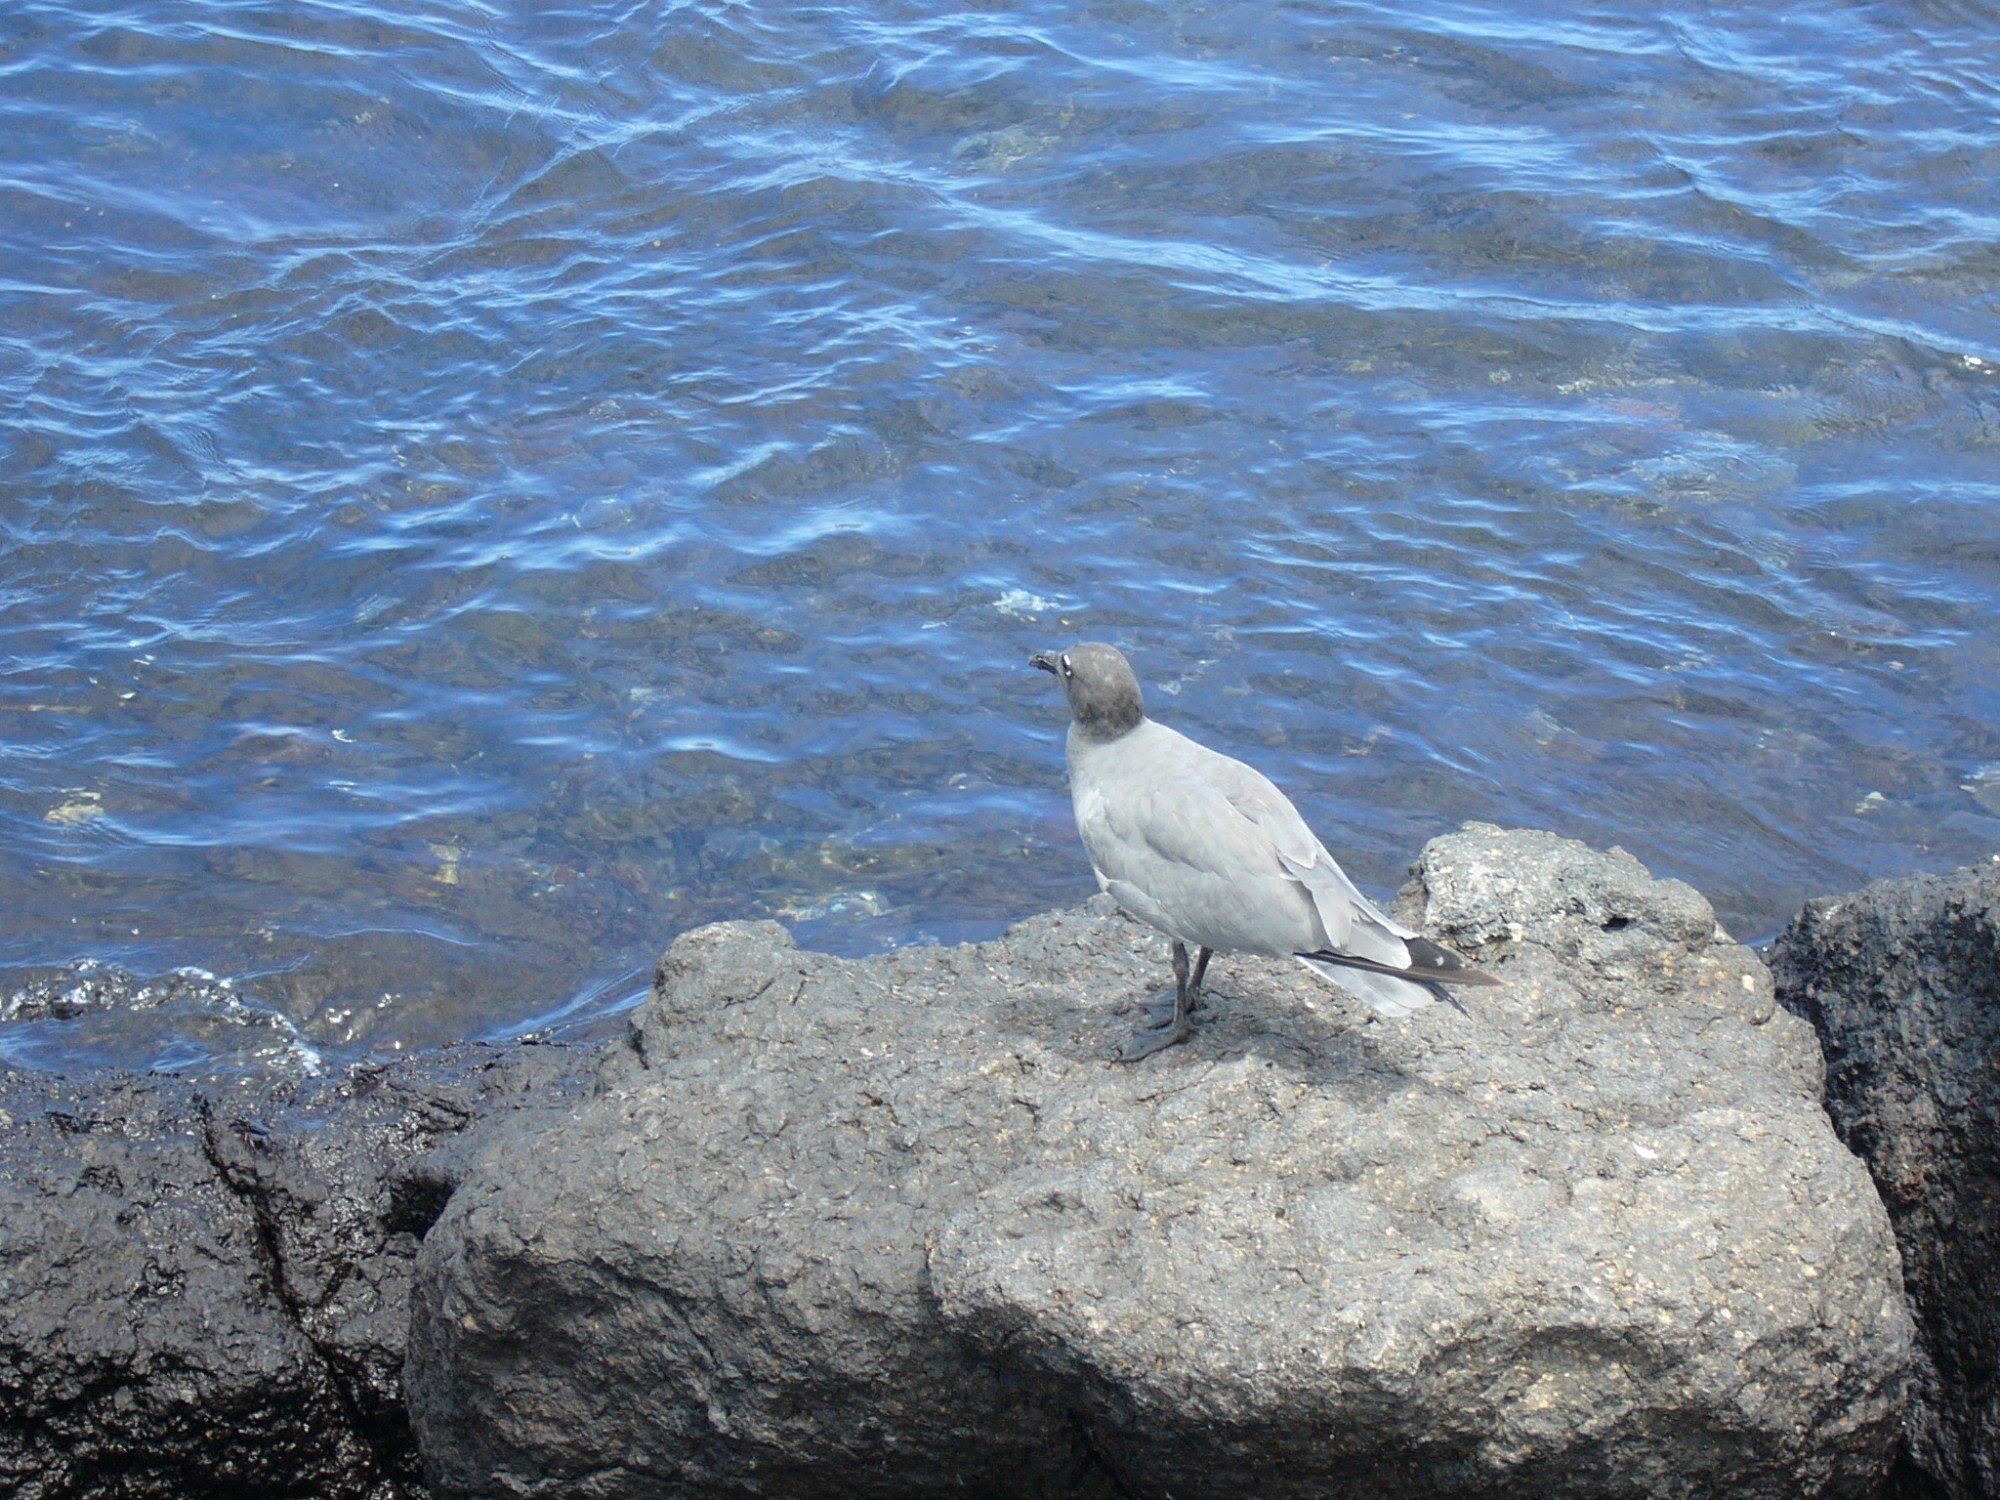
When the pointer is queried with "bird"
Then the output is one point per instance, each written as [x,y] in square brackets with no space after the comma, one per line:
[1207,850]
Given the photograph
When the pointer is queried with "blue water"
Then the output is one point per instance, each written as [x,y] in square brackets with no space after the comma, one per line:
[486,488]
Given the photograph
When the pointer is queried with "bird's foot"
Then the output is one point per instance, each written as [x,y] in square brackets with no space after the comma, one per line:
[1160,1009]
[1155,1039]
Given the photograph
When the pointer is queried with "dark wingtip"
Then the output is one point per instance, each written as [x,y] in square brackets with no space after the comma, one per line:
[1439,962]
[1429,964]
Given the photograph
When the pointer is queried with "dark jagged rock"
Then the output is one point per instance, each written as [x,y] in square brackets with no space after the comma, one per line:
[141,1325]
[1902,982]
[204,1288]
[897,1227]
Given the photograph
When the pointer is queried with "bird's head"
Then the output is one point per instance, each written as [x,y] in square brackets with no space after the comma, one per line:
[1104,696]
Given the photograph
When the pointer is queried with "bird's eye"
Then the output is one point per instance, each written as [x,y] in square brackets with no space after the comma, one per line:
[1068,670]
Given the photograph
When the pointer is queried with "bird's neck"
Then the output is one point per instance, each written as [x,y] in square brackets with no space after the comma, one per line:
[1102,729]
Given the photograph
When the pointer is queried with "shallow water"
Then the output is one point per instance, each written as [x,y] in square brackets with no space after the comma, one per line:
[487,488]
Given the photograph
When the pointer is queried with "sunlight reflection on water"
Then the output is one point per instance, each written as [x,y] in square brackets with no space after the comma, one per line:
[483,498]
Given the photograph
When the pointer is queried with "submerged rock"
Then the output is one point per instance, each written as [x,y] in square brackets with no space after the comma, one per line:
[898,1226]
[1902,982]
[182,1019]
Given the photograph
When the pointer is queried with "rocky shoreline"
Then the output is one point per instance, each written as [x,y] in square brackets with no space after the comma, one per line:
[896,1226]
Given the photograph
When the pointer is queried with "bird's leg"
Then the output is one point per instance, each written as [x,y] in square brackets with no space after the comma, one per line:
[1194,984]
[1162,1007]
[1154,1039]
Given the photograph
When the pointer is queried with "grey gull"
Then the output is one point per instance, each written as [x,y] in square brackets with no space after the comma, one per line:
[1207,850]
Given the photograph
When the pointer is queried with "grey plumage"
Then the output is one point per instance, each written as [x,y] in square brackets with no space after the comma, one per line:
[1207,850]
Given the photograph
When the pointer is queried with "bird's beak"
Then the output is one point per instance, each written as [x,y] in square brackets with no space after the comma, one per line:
[1046,661]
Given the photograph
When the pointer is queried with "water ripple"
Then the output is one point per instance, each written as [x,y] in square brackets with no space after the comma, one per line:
[486,491]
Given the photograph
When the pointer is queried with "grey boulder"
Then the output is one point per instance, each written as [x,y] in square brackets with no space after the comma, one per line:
[1902,982]
[898,1227]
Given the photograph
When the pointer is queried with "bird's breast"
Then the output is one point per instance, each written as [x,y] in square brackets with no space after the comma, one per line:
[1091,809]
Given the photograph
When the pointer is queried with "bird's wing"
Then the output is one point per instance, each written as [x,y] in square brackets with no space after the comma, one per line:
[1160,822]
[1353,923]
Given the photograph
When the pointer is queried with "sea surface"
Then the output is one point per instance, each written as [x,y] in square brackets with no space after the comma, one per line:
[485,488]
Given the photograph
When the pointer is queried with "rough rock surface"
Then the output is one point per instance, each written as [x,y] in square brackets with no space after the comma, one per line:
[899,1227]
[1902,982]
[204,1288]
